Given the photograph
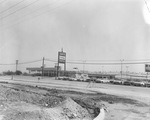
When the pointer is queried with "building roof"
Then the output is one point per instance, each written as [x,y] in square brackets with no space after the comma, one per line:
[100,74]
[40,69]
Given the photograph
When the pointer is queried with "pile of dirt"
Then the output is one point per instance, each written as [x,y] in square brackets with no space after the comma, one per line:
[18,104]
[25,115]
[70,110]
[45,100]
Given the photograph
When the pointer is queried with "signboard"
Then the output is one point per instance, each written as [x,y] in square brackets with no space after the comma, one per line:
[147,68]
[61,57]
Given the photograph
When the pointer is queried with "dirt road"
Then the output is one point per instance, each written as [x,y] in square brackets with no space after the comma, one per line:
[117,110]
[140,93]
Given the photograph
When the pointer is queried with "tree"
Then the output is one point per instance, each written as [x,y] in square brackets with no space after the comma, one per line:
[18,72]
[8,73]
[25,73]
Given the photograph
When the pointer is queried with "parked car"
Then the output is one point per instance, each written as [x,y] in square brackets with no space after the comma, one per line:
[138,83]
[112,81]
[36,74]
[147,84]
[72,79]
[117,82]
[60,78]
[63,78]
[99,80]
[102,80]
[127,83]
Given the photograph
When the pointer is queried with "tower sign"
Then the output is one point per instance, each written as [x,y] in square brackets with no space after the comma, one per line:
[147,68]
[61,60]
[62,57]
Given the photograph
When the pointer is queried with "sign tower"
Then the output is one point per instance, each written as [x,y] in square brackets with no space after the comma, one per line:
[61,60]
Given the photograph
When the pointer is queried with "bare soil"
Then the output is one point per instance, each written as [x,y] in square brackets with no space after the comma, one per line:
[22,102]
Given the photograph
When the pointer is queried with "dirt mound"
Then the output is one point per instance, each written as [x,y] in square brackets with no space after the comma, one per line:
[36,115]
[67,110]
[74,110]
[45,100]
[18,104]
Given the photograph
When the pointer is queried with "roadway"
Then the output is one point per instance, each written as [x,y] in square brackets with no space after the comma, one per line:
[138,93]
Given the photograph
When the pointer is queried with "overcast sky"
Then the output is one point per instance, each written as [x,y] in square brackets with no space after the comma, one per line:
[85,29]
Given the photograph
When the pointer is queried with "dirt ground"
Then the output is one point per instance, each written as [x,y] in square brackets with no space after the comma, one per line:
[22,102]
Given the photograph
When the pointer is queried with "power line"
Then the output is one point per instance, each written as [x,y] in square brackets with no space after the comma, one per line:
[44,12]
[39,8]
[19,9]
[92,60]
[138,60]
[34,11]
[86,63]
[30,62]
[117,63]
[109,60]
[50,60]
[101,63]
[80,60]
[8,64]
[24,15]
[71,60]
[11,7]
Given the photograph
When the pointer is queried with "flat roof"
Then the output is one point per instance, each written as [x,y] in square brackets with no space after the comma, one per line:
[100,74]
[40,69]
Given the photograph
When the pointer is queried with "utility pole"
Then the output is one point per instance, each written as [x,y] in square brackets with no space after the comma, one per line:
[43,68]
[127,71]
[121,67]
[56,71]
[102,69]
[16,65]
[147,78]
[84,61]
[58,66]
[102,72]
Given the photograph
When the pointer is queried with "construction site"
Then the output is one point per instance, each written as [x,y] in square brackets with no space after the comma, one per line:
[74,60]
[47,99]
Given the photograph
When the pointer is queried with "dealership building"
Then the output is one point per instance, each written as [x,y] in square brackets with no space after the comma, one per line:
[49,71]
[52,72]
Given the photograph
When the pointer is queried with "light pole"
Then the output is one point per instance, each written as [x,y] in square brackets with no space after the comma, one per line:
[121,67]
[127,70]
[102,68]
[147,78]
[43,67]
[84,61]
[56,67]
[16,65]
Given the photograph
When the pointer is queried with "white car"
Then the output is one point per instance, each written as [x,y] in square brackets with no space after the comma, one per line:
[102,80]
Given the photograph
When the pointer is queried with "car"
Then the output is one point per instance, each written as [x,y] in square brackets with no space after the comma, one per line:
[60,78]
[88,80]
[117,82]
[99,80]
[72,79]
[112,81]
[65,78]
[103,80]
[147,84]
[127,83]
[138,83]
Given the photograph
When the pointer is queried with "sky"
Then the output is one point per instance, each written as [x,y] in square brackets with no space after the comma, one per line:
[87,30]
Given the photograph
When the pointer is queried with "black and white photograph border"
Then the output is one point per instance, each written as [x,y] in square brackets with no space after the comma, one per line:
[74,59]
